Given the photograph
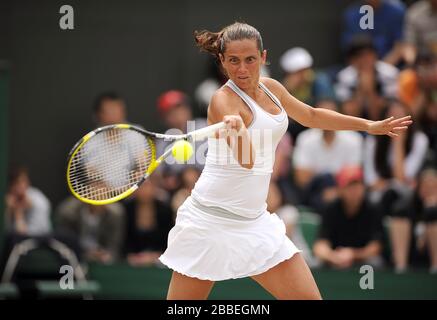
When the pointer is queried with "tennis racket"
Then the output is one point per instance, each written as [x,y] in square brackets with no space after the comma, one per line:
[109,163]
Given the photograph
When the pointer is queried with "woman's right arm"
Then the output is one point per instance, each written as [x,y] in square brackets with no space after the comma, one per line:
[235,133]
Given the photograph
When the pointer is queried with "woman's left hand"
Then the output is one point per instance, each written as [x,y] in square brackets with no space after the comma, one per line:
[390,126]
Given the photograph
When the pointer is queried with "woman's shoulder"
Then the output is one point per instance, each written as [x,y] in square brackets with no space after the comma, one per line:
[273,85]
[223,93]
[222,101]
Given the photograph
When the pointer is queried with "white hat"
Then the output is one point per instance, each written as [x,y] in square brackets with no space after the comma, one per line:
[296,59]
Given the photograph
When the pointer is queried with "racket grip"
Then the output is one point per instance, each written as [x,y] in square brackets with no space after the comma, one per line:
[206,132]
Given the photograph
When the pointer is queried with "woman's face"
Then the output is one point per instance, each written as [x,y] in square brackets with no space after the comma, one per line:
[242,62]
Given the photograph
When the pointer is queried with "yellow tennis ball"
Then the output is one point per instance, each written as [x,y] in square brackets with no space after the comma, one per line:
[182,150]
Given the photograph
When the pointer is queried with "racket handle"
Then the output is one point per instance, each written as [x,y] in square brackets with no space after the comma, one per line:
[206,132]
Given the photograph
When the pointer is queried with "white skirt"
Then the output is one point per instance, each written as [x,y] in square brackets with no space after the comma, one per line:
[210,247]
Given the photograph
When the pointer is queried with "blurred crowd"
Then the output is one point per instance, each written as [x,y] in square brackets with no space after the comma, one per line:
[375,196]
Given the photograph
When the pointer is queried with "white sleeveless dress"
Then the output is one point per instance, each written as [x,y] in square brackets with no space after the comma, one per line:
[223,230]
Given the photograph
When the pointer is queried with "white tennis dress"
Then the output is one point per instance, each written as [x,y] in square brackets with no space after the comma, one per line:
[223,230]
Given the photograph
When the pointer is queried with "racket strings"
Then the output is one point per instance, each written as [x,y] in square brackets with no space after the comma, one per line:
[110,163]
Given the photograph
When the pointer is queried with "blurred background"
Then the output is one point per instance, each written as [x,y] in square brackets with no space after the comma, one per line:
[347,199]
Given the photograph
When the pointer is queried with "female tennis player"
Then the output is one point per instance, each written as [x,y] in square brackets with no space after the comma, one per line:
[223,230]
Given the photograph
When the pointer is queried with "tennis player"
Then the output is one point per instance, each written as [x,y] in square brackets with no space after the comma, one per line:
[223,230]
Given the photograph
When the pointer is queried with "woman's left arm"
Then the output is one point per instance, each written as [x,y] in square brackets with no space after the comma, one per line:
[330,120]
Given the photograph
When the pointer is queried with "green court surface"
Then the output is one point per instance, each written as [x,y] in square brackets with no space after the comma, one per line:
[120,281]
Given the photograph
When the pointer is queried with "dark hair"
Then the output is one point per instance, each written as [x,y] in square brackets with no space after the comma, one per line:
[215,42]
[15,172]
[424,56]
[358,44]
[382,147]
[109,95]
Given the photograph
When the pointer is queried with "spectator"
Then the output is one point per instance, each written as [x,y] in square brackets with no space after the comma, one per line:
[27,208]
[303,82]
[387,31]
[422,207]
[391,167]
[98,229]
[420,29]
[367,82]
[428,122]
[148,223]
[109,108]
[351,229]
[175,109]
[418,85]
[319,155]
[426,206]
[418,91]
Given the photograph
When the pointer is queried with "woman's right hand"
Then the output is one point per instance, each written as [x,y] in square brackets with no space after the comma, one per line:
[234,122]
[234,127]
[390,126]
[237,137]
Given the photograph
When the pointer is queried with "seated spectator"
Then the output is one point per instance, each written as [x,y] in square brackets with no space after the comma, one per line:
[148,223]
[364,86]
[109,108]
[418,91]
[428,123]
[387,31]
[99,230]
[351,230]
[420,29]
[319,155]
[391,166]
[427,207]
[290,215]
[27,208]
[423,207]
[303,82]
[174,107]
[418,85]
[27,215]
